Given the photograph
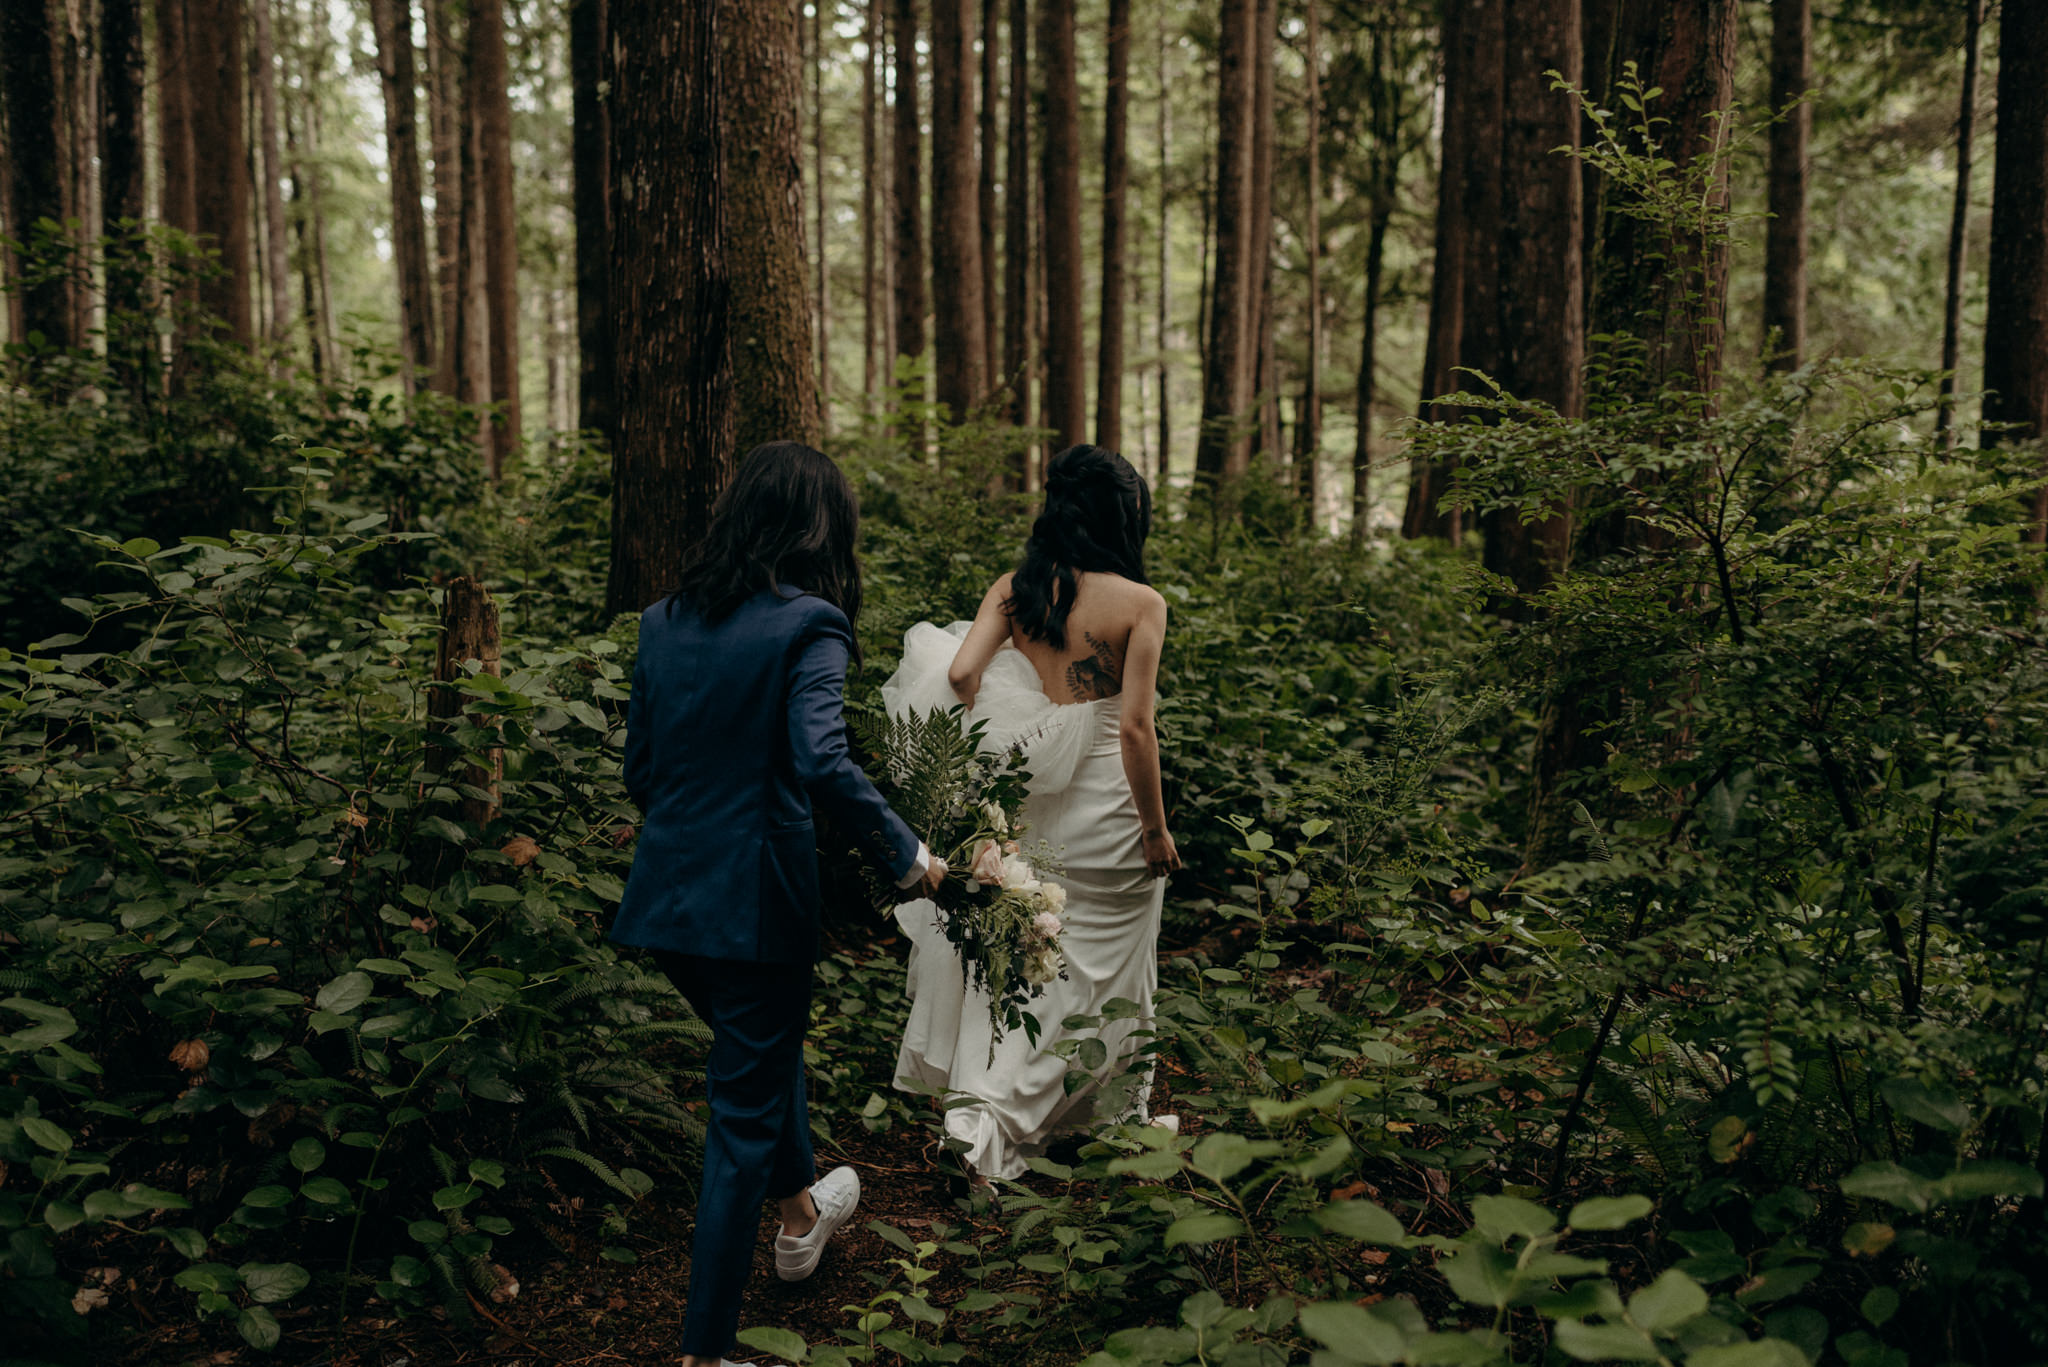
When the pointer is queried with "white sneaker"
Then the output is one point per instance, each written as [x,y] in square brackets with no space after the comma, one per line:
[835,1195]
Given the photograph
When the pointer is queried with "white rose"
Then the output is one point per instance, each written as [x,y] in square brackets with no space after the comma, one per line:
[1017,871]
[995,818]
[1055,895]
[1042,967]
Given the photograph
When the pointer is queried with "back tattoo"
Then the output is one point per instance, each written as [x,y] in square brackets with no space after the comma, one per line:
[1099,674]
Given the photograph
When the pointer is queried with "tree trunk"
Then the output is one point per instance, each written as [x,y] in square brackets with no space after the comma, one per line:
[909,183]
[991,149]
[670,294]
[35,158]
[174,117]
[277,268]
[760,77]
[870,170]
[392,20]
[295,114]
[1017,221]
[491,100]
[473,300]
[1265,437]
[1116,176]
[1163,133]
[960,346]
[447,128]
[1785,241]
[124,201]
[1383,187]
[1066,401]
[2016,322]
[321,316]
[213,42]
[1465,266]
[1542,323]
[589,155]
[1958,230]
[1673,294]
[1308,441]
[818,192]
[1217,449]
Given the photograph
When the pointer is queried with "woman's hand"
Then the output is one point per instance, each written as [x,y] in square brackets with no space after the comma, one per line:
[934,876]
[1161,858]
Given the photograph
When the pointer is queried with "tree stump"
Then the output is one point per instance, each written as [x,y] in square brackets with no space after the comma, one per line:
[469,632]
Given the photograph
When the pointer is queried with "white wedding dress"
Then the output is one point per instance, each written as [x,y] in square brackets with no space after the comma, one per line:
[1080,820]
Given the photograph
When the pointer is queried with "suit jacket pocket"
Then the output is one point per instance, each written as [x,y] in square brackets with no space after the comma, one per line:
[789,893]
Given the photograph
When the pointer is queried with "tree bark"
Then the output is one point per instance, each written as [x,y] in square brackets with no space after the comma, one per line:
[870,171]
[991,149]
[760,77]
[1217,450]
[1673,294]
[1265,388]
[959,313]
[392,20]
[448,131]
[174,116]
[909,182]
[491,100]
[473,299]
[818,192]
[469,635]
[130,325]
[2016,322]
[1958,230]
[1542,322]
[670,293]
[1066,394]
[1017,221]
[296,113]
[590,158]
[1116,176]
[1308,422]
[1383,186]
[35,158]
[277,270]
[1785,240]
[213,40]
[1163,133]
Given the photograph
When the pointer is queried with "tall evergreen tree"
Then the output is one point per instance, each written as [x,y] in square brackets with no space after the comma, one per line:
[2016,320]
[1116,176]
[760,77]
[907,148]
[392,20]
[590,156]
[1066,394]
[1017,221]
[491,105]
[1959,226]
[213,45]
[1785,239]
[35,157]
[959,314]
[670,290]
[1217,450]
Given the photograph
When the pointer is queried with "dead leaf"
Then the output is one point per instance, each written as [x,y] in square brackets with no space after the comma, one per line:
[507,1285]
[423,924]
[87,1299]
[1348,1191]
[192,1055]
[520,849]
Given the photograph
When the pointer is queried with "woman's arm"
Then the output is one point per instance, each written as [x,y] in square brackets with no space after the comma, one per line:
[991,628]
[1140,739]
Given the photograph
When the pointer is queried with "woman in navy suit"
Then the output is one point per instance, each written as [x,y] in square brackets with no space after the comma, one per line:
[735,737]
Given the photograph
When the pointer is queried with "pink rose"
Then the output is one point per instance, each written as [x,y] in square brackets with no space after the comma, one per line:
[988,863]
[1047,924]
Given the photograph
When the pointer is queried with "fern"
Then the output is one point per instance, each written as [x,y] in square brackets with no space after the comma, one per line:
[595,1166]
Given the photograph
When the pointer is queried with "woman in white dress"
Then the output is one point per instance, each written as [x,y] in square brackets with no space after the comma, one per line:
[1062,659]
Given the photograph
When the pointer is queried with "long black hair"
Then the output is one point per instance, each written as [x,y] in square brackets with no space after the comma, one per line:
[787,521]
[1098,512]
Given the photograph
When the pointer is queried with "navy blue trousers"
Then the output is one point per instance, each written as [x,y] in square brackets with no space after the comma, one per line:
[759,1140]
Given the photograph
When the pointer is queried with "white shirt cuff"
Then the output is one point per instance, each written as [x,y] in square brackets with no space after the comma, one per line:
[918,868]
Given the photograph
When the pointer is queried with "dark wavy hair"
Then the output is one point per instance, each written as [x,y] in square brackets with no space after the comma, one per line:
[1098,512]
[786,522]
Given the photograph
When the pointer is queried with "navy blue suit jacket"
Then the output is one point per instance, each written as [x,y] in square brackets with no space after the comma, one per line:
[734,737]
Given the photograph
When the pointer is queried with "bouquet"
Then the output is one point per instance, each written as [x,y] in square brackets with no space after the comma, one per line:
[1000,912]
